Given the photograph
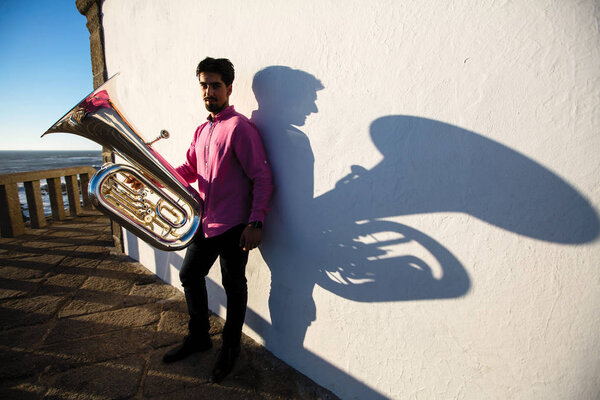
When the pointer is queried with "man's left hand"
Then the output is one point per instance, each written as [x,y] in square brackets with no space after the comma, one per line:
[250,238]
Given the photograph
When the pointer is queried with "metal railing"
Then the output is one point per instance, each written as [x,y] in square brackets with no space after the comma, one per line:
[11,215]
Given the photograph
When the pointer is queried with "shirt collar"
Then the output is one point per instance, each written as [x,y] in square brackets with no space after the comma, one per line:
[223,115]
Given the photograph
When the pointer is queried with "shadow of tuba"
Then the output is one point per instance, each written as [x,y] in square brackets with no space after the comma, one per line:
[166,211]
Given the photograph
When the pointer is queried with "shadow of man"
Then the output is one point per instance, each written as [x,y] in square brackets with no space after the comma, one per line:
[286,97]
[312,241]
[343,239]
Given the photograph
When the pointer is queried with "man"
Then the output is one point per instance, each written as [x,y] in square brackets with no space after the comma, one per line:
[228,160]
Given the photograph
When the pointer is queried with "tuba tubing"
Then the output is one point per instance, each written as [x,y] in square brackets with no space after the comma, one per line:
[166,212]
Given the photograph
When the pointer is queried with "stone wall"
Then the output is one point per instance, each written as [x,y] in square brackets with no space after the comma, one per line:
[92,10]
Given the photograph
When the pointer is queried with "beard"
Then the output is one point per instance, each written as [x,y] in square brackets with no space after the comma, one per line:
[215,108]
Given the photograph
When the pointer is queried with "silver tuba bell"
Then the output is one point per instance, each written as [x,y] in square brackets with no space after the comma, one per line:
[166,211]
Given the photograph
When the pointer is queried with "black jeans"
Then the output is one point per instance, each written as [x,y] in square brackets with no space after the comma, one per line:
[199,258]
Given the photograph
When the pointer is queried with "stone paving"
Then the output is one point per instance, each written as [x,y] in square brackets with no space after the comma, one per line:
[82,321]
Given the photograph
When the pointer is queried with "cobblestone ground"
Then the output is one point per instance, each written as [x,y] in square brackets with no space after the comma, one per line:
[83,321]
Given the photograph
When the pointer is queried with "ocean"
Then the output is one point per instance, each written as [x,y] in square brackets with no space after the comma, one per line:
[25,161]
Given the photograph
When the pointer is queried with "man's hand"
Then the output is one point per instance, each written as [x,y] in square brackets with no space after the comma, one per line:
[250,238]
[137,185]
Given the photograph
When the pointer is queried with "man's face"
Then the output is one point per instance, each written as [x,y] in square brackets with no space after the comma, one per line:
[214,92]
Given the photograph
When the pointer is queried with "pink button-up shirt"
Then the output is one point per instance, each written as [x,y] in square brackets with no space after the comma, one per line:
[228,160]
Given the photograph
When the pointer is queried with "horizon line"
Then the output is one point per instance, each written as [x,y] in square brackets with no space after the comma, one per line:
[100,149]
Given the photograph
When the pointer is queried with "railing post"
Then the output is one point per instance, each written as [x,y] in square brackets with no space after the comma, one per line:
[11,216]
[84,181]
[35,204]
[73,195]
[56,199]
[11,211]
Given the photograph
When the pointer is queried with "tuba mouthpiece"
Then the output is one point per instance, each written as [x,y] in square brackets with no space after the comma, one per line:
[164,134]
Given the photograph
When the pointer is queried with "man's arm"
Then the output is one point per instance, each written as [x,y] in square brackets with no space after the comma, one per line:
[187,170]
[249,149]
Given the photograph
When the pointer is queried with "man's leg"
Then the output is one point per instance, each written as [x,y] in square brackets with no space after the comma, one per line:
[199,258]
[233,271]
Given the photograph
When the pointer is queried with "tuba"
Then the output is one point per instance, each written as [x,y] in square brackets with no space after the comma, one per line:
[166,211]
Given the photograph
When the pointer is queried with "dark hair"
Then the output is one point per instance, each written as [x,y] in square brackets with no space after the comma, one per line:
[221,66]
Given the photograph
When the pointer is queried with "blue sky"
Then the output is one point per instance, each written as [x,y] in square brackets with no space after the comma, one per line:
[45,69]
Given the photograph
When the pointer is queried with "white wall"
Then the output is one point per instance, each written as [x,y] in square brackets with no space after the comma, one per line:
[434,233]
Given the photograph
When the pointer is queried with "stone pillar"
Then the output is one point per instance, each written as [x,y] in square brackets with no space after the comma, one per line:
[73,195]
[92,10]
[11,216]
[84,180]
[56,198]
[33,193]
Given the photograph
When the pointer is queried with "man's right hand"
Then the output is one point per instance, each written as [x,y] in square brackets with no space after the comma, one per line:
[135,184]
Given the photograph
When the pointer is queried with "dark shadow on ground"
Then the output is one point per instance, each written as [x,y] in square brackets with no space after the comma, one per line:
[98,328]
